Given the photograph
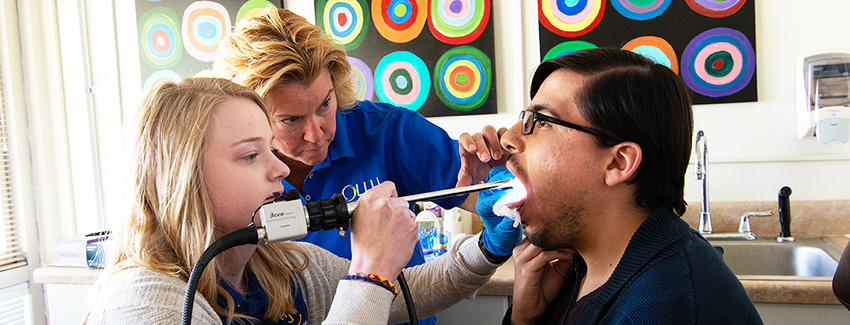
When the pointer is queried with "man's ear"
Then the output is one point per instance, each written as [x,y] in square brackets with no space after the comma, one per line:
[625,159]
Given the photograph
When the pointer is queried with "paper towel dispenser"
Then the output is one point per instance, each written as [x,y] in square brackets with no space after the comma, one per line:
[823,94]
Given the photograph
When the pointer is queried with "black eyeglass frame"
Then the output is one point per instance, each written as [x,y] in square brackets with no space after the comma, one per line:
[540,117]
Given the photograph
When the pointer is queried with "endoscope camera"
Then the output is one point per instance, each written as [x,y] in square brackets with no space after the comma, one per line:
[287,219]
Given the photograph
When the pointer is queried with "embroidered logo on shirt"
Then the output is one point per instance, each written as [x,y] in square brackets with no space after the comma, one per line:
[352,192]
[289,319]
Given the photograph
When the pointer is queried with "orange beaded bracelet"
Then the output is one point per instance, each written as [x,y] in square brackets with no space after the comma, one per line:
[374,279]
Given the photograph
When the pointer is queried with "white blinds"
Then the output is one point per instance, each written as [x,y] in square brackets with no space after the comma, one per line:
[11,250]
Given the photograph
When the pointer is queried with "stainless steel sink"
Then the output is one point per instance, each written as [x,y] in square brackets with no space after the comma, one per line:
[765,258]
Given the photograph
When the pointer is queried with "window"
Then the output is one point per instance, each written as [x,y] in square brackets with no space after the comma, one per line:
[11,238]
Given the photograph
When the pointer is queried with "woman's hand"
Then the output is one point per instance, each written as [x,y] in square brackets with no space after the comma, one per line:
[538,277]
[478,153]
[383,233]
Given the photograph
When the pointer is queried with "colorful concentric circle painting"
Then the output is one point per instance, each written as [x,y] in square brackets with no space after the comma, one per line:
[716,8]
[567,47]
[462,78]
[718,62]
[364,82]
[159,37]
[399,21]
[344,20]
[655,48]
[402,78]
[250,8]
[458,21]
[570,18]
[159,77]
[641,9]
[205,23]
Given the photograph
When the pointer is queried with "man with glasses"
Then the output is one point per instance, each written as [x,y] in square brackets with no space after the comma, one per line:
[603,151]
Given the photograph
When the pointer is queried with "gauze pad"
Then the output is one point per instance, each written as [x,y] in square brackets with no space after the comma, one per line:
[515,194]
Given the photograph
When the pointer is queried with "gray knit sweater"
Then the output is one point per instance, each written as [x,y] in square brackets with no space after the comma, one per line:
[142,296]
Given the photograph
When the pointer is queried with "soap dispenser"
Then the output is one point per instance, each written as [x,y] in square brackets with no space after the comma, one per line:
[823,109]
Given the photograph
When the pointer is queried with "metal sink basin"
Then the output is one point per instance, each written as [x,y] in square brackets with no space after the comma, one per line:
[765,258]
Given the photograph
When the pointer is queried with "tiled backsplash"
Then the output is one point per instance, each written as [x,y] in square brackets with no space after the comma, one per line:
[827,218]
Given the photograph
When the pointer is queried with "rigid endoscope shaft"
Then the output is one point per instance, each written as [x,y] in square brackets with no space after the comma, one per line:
[444,193]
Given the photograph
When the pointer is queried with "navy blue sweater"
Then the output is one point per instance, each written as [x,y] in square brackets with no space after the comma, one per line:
[669,274]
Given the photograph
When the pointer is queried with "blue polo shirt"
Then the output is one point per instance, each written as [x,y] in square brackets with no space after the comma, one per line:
[253,303]
[377,142]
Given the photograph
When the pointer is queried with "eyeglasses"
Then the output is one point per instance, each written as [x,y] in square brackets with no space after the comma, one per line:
[529,119]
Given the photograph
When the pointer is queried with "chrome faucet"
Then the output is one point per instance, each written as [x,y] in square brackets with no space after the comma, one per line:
[744,226]
[745,232]
[701,173]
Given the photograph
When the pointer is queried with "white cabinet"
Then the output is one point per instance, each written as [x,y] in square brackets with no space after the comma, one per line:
[480,310]
[67,303]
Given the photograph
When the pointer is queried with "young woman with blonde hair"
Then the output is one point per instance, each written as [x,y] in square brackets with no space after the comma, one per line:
[204,162]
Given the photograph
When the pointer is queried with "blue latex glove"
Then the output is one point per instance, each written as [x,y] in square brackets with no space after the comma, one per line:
[499,236]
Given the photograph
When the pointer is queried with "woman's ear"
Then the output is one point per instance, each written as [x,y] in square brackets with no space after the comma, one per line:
[625,159]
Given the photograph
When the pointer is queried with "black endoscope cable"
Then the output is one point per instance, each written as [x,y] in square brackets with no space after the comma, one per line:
[247,235]
[408,300]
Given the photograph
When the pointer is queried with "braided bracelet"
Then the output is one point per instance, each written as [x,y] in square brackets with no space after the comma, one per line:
[373,279]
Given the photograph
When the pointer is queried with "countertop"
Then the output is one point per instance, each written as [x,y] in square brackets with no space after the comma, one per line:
[65,275]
